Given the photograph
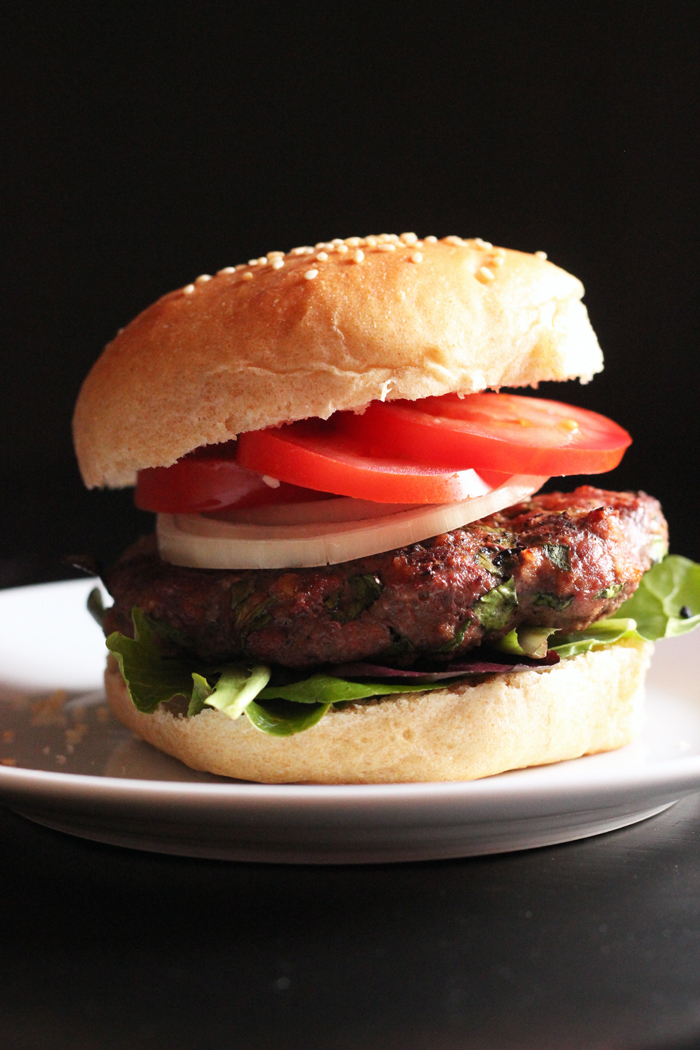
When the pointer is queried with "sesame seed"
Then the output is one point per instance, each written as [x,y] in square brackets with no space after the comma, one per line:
[500,251]
[417,257]
[342,248]
[272,483]
[298,251]
[322,257]
[240,266]
[497,260]
[408,238]
[310,274]
[353,242]
[540,255]
[387,246]
[274,255]
[371,241]
[452,239]
[358,256]
[431,240]
[325,245]
[337,241]
[188,289]
[484,274]
[277,264]
[203,278]
[226,269]
[252,262]
[247,276]
[486,245]
[262,261]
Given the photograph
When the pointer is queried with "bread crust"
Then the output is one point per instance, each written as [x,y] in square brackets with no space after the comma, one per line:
[263,345]
[586,704]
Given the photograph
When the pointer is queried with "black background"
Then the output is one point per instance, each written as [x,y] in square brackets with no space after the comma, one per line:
[145,144]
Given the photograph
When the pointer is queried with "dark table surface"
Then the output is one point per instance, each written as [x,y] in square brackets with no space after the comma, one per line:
[594,944]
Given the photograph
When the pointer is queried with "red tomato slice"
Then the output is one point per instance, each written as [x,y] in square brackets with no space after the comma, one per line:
[316,454]
[208,480]
[507,432]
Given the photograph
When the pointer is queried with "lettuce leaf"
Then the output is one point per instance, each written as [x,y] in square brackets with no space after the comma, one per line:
[152,678]
[283,717]
[235,688]
[597,636]
[327,689]
[526,641]
[667,601]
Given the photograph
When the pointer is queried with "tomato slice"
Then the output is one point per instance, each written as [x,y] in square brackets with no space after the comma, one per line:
[507,432]
[317,454]
[426,451]
[208,480]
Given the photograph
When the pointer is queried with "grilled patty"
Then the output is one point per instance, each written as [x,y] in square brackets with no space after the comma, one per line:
[560,560]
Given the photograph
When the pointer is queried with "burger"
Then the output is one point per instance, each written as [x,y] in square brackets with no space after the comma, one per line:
[352,578]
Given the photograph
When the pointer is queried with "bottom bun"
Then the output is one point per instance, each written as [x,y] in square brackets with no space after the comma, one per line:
[583,705]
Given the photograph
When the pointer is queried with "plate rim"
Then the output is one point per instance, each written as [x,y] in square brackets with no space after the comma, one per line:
[674,771]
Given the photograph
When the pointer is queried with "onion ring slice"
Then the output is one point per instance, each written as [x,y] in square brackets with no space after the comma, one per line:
[205,543]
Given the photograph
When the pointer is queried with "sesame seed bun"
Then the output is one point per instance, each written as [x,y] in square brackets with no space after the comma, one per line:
[583,705]
[317,330]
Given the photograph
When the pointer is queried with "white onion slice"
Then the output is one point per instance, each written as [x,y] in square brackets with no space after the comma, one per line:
[205,543]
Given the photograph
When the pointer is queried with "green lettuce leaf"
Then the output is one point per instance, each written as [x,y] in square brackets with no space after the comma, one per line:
[150,677]
[325,689]
[597,636]
[235,688]
[201,691]
[667,601]
[526,641]
[284,717]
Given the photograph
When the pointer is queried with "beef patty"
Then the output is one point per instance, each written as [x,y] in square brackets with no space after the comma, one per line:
[560,560]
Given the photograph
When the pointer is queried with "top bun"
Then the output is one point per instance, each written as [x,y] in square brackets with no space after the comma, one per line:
[322,329]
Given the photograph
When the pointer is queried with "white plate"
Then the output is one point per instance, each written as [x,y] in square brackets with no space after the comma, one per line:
[78,771]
